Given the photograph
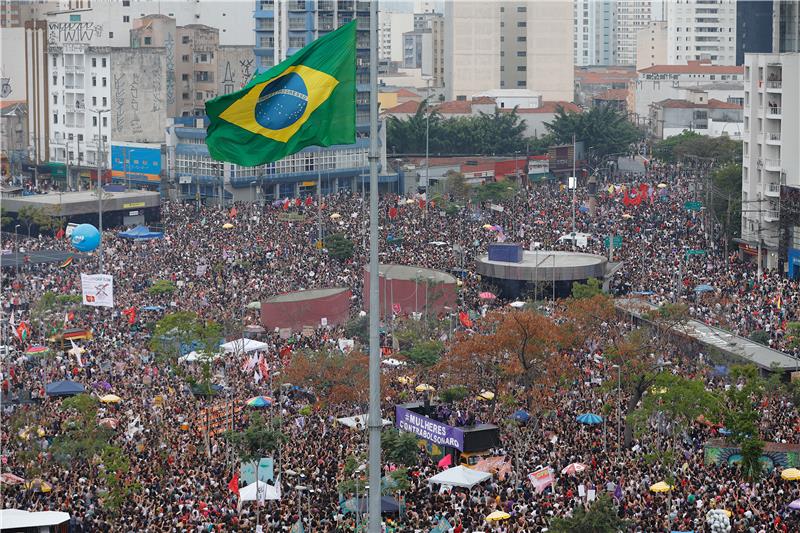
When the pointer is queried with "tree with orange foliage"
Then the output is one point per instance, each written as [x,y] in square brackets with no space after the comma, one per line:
[335,377]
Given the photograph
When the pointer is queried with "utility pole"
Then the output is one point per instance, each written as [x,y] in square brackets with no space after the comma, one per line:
[66,159]
[100,156]
[374,422]
[574,191]
[319,203]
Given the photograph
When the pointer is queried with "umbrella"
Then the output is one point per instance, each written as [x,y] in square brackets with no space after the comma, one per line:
[424,387]
[497,516]
[521,416]
[11,479]
[38,485]
[227,225]
[725,431]
[661,486]
[254,305]
[487,226]
[405,380]
[703,288]
[335,216]
[110,423]
[259,401]
[151,308]
[486,395]
[791,474]
[517,304]
[105,385]
[627,216]
[589,419]
[795,505]
[573,468]
[486,296]
[662,185]
[36,350]
[110,398]
[254,328]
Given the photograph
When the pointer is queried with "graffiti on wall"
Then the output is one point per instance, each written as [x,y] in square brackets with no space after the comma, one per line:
[138,109]
[72,32]
[5,87]
[236,68]
[169,52]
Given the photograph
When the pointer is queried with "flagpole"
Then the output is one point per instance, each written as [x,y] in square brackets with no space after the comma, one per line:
[375,420]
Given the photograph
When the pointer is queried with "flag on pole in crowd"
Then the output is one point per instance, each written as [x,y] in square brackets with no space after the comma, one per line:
[541,479]
[446,461]
[618,492]
[393,213]
[233,484]
[67,262]
[309,201]
[465,320]
[233,212]
[23,331]
[307,100]
[297,527]
[442,526]
[131,314]
[60,233]
[263,369]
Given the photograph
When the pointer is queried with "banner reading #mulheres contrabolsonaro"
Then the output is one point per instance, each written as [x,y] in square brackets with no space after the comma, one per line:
[429,429]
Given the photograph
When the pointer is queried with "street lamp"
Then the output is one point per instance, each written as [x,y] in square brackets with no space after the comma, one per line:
[99,113]
[128,153]
[619,403]
[16,244]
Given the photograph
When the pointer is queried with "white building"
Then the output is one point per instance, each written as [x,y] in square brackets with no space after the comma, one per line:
[651,45]
[661,82]
[107,22]
[472,41]
[594,32]
[701,30]
[550,61]
[391,27]
[771,156]
[631,16]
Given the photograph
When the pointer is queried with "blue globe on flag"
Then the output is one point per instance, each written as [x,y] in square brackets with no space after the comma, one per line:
[85,238]
[282,102]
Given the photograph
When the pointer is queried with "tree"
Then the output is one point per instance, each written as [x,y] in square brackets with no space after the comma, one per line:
[34,216]
[161,286]
[601,517]
[82,438]
[258,439]
[727,199]
[591,288]
[425,353]
[335,377]
[400,447]
[696,147]
[339,246]
[454,394]
[184,330]
[457,186]
[5,219]
[742,417]
[602,129]
[495,191]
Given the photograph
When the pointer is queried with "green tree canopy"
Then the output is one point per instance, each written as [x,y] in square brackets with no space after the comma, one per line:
[400,448]
[339,246]
[601,517]
[603,129]
[692,145]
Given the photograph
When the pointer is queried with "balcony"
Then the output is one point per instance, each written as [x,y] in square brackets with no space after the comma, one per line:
[297,24]
[297,5]
[775,86]
[325,5]
[773,190]
[265,24]
[345,5]
[774,112]
[772,165]
[325,24]
[772,215]
[362,6]
[773,138]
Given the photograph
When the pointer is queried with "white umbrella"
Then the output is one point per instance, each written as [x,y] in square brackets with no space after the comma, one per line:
[517,304]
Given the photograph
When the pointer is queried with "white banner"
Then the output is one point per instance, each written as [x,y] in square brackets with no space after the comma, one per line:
[98,290]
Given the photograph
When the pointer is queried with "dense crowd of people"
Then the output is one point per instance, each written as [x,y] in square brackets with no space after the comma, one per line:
[217,271]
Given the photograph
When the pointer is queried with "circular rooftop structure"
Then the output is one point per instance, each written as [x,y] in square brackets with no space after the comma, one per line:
[406,289]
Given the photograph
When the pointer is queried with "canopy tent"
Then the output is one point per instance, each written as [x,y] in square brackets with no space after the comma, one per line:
[354,421]
[19,519]
[460,476]
[64,388]
[244,346]
[193,356]
[142,233]
[261,491]
[389,505]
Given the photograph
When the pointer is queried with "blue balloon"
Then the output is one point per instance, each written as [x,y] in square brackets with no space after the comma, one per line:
[85,238]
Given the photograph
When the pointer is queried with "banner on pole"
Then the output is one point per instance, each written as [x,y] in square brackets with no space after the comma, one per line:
[97,290]
[541,479]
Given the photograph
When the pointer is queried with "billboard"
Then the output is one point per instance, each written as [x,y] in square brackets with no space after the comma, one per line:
[141,164]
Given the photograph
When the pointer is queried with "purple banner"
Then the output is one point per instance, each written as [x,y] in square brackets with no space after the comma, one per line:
[429,429]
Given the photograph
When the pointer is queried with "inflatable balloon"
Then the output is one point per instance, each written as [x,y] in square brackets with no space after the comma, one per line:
[85,238]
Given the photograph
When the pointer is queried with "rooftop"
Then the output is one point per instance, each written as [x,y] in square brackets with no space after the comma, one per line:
[694,67]
[613,94]
[671,103]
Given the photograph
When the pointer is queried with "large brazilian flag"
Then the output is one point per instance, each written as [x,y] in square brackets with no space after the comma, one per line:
[307,100]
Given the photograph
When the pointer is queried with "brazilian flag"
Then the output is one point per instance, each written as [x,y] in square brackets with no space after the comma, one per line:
[307,100]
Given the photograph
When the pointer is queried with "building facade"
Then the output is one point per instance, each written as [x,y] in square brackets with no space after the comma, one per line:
[753,28]
[16,13]
[771,160]
[594,32]
[631,16]
[472,45]
[651,45]
[696,113]
[423,47]
[785,26]
[702,30]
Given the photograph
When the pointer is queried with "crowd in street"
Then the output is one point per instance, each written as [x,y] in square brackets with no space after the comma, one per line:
[217,271]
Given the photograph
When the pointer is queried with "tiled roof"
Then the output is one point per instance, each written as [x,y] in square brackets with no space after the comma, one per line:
[713,103]
[405,93]
[613,94]
[409,106]
[694,67]
[549,106]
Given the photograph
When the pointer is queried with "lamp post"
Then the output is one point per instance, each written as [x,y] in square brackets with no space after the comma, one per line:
[99,113]
[128,153]
[16,245]
[619,403]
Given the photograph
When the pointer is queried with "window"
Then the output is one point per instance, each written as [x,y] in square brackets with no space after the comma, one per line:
[55,118]
[126,3]
[104,81]
[522,39]
[126,18]
[148,40]
[54,61]
[55,79]
[104,62]
[522,53]
[185,58]
[185,39]
[522,24]
[198,96]
[94,100]
[522,68]
[74,18]
[94,121]
[94,81]
[105,101]
[94,62]
[522,83]
[105,123]
[55,99]
[522,9]
[185,77]
[203,58]
[185,96]
[80,136]
[111,35]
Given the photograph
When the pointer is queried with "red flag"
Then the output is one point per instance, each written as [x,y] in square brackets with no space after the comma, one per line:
[465,320]
[392,213]
[233,212]
[309,201]
[396,309]
[286,351]
[263,369]
[23,331]
[233,484]
[421,203]
[446,461]
[298,202]
[131,314]
[286,204]
[60,233]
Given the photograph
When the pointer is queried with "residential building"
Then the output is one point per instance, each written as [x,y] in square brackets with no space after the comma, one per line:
[631,16]
[702,30]
[594,32]
[108,22]
[771,160]
[472,45]
[698,114]
[651,45]
[616,99]
[514,45]
[13,136]
[423,48]
[16,13]
[753,28]
[593,81]
[550,65]
[391,30]
[661,82]
[785,26]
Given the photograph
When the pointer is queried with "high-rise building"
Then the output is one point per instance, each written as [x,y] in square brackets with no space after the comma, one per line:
[391,28]
[631,16]
[705,29]
[753,28]
[651,45]
[594,32]
[771,160]
[15,13]
[472,45]
[423,47]
[785,26]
